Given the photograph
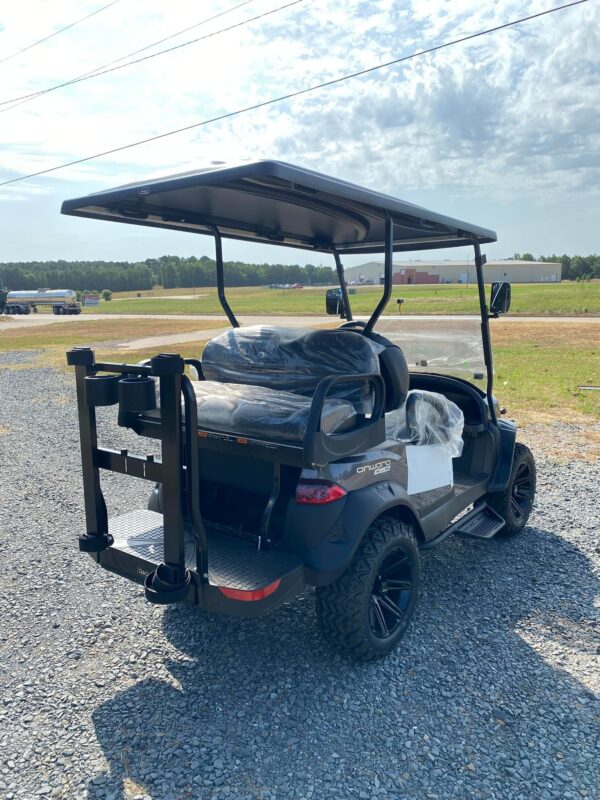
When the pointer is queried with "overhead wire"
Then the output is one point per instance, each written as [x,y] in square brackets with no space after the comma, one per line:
[13,102]
[297,93]
[61,30]
[26,98]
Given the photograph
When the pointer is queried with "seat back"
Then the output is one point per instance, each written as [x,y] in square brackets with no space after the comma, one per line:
[292,360]
[394,371]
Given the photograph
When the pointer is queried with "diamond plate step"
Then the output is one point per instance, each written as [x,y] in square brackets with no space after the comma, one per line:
[481,524]
[232,562]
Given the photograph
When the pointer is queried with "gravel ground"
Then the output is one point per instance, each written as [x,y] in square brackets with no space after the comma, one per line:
[104,696]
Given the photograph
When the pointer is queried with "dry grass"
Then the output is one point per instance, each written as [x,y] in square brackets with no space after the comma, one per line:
[103,335]
[90,332]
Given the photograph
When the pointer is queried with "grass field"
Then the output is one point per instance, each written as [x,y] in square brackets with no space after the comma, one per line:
[56,338]
[527,299]
[539,365]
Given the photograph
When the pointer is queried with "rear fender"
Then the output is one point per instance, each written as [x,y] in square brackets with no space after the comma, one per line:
[327,538]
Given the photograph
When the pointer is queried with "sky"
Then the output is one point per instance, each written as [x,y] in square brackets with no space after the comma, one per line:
[503,131]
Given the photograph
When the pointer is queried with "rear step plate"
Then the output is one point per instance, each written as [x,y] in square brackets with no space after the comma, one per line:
[232,562]
[481,523]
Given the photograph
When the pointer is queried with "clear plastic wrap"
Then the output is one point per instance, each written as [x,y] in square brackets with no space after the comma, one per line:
[292,360]
[427,418]
[261,413]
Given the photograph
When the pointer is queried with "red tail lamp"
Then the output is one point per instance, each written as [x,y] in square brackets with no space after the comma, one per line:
[251,595]
[318,492]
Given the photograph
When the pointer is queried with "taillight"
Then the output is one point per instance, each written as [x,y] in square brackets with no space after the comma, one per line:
[252,594]
[318,492]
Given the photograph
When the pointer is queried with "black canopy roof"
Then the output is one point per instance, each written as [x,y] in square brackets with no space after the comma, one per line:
[277,203]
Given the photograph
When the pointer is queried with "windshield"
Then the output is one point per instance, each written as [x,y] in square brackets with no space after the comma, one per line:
[439,345]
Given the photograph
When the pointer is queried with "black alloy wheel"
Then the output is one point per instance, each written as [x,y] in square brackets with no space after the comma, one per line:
[365,612]
[515,503]
[521,491]
[391,594]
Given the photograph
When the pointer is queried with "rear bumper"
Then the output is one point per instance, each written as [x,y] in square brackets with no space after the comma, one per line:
[204,595]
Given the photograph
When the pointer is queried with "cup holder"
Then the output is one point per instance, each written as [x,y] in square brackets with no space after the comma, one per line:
[102,390]
[137,394]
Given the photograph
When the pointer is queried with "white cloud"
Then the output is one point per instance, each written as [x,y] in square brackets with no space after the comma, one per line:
[513,112]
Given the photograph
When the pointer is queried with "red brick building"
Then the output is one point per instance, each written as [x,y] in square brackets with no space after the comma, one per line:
[408,276]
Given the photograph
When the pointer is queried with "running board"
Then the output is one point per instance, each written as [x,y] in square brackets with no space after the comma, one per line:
[481,522]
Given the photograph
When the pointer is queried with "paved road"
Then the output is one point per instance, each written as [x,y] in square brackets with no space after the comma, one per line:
[46,319]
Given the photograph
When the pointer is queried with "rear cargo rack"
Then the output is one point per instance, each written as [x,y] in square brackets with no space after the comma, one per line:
[178,556]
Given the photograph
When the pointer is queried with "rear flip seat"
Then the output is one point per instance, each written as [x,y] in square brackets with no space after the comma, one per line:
[260,381]
[262,413]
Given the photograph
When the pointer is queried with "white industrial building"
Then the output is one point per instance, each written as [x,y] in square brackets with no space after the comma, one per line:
[450,271]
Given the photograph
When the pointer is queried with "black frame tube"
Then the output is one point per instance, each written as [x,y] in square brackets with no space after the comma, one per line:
[96,516]
[342,281]
[193,477]
[221,278]
[387,276]
[170,418]
[485,329]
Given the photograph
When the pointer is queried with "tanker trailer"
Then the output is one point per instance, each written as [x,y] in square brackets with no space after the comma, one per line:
[62,301]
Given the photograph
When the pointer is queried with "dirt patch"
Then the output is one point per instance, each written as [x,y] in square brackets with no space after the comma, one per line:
[546,333]
[562,442]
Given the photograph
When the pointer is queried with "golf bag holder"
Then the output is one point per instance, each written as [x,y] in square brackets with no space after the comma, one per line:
[133,387]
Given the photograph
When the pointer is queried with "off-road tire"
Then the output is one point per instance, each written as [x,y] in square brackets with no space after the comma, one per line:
[345,607]
[514,512]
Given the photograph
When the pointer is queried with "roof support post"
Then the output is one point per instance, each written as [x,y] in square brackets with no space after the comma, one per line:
[485,329]
[387,275]
[221,279]
[342,281]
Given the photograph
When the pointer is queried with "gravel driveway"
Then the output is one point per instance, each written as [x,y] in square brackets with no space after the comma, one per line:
[106,696]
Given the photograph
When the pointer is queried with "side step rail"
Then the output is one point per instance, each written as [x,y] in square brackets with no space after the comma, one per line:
[482,525]
[482,522]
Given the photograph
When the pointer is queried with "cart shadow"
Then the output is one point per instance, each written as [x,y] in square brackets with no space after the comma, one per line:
[249,695]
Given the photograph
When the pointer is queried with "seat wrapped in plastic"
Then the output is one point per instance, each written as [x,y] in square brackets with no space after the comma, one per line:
[261,413]
[427,418]
[293,360]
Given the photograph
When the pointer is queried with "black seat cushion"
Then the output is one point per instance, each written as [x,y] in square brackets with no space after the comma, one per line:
[261,413]
[292,360]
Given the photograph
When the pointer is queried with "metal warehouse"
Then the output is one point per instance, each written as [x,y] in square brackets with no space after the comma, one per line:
[419,272]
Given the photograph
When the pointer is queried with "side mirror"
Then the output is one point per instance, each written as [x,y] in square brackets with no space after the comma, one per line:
[500,298]
[334,303]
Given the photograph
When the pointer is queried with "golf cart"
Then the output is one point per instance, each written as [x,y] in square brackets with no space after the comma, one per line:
[302,457]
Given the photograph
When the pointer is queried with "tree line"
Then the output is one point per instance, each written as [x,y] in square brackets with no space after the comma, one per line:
[574,268]
[170,272]
[173,272]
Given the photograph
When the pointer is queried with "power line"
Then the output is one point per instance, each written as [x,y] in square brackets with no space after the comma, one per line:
[26,98]
[172,36]
[297,93]
[89,76]
[61,30]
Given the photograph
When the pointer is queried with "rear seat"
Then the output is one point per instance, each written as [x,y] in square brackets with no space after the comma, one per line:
[262,413]
[260,380]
